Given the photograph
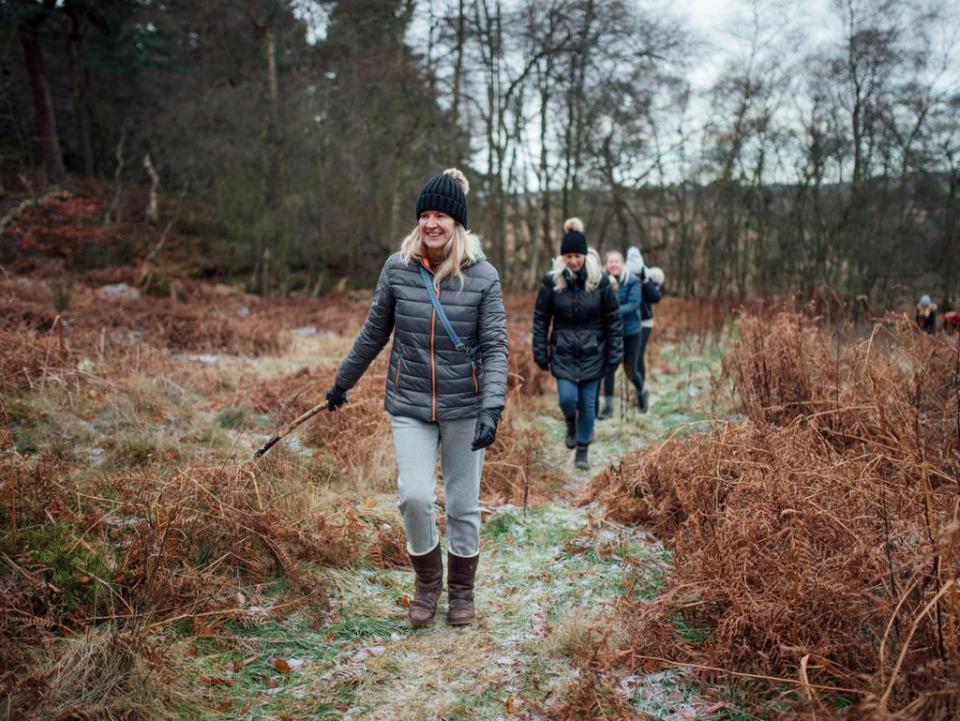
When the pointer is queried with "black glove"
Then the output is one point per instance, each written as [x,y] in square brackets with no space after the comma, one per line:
[543,366]
[336,397]
[486,432]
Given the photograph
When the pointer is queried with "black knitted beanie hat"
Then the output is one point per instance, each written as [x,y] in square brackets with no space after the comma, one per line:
[447,193]
[574,241]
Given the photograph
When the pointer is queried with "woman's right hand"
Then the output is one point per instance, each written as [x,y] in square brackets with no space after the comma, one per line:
[336,397]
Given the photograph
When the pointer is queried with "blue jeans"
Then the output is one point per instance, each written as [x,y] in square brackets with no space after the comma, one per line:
[579,399]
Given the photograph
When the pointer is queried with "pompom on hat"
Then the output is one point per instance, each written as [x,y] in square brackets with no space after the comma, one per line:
[447,193]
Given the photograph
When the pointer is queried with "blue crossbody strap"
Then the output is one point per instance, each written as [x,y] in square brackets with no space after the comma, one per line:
[471,353]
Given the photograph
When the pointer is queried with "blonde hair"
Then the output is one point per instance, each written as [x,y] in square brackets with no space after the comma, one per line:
[594,273]
[462,248]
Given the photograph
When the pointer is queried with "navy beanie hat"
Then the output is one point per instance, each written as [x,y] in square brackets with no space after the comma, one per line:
[573,242]
[444,193]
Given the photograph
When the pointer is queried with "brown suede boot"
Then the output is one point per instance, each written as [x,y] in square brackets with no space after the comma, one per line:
[428,587]
[460,578]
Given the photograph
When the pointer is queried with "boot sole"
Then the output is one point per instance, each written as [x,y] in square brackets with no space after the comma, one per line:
[424,624]
[462,622]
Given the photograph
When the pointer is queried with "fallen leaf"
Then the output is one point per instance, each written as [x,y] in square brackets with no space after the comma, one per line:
[281,665]
[225,706]
[284,716]
[215,681]
[649,666]
[405,601]
[511,706]
[271,682]
[717,707]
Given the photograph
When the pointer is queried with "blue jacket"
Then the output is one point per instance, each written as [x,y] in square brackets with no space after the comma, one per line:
[629,295]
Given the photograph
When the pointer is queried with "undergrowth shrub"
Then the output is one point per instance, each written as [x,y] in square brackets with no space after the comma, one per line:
[817,539]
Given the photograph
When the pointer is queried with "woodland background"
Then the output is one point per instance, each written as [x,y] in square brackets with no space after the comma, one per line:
[287,139]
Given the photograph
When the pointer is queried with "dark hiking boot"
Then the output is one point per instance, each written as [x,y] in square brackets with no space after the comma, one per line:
[428,568]
[460,580]
[607,411]
[580,461]
[643,401]
[571,439]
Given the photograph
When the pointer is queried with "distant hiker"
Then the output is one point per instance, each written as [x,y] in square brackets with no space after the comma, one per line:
[577,334]
[628,292]
[435,292]
[650,295]
[926,315]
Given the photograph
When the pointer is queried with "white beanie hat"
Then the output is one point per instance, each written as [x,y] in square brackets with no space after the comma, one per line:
[656,275]
[635,261]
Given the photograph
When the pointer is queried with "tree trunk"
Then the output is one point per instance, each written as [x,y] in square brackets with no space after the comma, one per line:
[46,125]
[152,212]
[81,113]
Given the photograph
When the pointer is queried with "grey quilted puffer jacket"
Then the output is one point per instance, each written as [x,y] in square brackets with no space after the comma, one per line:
[429,379]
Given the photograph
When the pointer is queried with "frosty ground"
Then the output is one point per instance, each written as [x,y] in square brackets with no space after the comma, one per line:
[549,574]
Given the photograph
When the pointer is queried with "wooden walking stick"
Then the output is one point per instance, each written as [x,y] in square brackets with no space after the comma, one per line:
[288,428]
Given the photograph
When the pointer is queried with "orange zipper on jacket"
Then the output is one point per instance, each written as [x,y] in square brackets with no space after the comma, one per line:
[396,377]
[433,350]
[476,385]
[433,358]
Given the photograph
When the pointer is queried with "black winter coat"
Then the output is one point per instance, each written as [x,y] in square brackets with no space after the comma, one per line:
[586,337]
[650,294]
[428,378]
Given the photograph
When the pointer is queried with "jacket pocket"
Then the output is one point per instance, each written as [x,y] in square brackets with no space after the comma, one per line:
[396,373]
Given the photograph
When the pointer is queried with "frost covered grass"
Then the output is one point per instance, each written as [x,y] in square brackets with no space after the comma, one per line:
[218,588]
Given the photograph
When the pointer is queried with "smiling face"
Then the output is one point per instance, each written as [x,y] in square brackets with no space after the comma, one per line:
[436,229]
[574,261]
[614,265]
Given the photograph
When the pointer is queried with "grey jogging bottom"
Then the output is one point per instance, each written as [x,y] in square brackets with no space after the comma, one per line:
[417,443]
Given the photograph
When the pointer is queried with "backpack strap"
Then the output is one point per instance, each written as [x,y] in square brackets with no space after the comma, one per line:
[458,344]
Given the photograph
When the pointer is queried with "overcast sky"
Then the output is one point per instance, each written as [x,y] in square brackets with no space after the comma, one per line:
[724,27]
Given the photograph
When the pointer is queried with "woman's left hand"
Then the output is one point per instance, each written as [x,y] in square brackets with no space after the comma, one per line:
[486,431]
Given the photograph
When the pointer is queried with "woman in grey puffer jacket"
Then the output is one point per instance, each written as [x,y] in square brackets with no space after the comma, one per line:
[436,394]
